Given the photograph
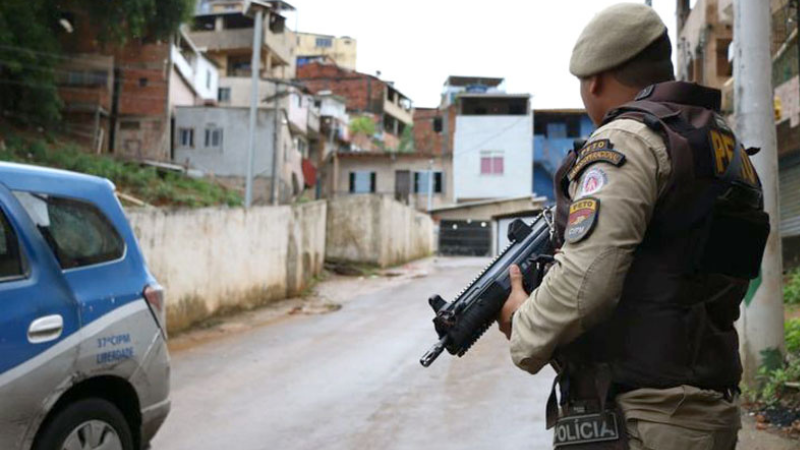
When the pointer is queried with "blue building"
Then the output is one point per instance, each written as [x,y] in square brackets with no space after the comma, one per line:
[554,130]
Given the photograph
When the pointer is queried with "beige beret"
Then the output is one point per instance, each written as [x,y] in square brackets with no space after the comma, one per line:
[614,36]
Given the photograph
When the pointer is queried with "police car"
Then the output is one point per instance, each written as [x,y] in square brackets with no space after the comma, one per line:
[83,357]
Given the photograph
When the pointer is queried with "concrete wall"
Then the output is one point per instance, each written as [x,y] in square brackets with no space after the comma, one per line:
[375,229]
[216,260]
[511,135]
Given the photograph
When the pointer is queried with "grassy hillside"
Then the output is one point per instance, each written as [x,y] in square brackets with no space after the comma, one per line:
[145,183]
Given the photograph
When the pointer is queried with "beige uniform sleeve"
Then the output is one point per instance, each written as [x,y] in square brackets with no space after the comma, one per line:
[585,284]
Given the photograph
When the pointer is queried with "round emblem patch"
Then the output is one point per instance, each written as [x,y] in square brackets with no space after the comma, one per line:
[582,218]
[593,180]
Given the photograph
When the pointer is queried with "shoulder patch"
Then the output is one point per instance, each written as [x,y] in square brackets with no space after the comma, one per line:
[582,219]
[598,144]
[592,181]
[601,150]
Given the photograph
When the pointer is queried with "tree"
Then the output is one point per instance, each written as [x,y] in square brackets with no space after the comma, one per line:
[27,48]
[30,52]
[407,140]
[362,124]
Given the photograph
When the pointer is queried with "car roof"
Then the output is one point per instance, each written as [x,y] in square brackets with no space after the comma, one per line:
[25,177]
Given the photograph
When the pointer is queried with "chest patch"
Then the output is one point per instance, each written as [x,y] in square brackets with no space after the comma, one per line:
[593,180]
[601,150]
[582,219]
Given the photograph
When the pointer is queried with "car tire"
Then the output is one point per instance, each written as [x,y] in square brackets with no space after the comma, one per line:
[89,421]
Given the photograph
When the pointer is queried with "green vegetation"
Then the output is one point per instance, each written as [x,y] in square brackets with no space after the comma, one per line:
[777,379]
[407,140]
[791,288]
[145,183]
[30,53]
[362,124]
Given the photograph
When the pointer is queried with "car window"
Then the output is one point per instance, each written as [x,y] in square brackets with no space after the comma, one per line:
[11,266]
[78,232]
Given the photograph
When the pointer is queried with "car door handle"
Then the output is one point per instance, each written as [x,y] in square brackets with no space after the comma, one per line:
[45,329]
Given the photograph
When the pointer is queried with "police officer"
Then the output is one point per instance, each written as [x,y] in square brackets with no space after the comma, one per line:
[661,225]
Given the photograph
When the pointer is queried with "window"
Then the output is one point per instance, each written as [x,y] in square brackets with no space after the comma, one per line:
[324,42]
[213,137]
[77,232]
[362,182]
[83,78]
[224,95]
[11,266]
[422,180]
[557,130]
[574,127]
[130,125]
[238,66]
[437,125]
[143,82]
[492,163]
[186,137]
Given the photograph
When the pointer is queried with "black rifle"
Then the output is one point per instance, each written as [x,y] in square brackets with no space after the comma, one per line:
[461,322]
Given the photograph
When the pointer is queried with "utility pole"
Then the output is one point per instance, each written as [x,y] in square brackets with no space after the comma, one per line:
[430,184]
[761,323]
[258,10]
[275,145]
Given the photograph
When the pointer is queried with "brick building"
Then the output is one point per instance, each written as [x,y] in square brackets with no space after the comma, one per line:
[365,95]
[116,98]
[434,129]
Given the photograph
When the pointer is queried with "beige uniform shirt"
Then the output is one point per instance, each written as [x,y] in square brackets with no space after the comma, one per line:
[585,284]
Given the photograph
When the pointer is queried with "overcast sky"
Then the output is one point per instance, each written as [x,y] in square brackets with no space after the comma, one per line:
[418,43]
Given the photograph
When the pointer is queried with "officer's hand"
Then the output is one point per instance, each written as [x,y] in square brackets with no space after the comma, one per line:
[517,297]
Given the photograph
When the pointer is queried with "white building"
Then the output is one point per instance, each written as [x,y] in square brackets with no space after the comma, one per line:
[454,86]
[214,140]
[195,78]
[493,146]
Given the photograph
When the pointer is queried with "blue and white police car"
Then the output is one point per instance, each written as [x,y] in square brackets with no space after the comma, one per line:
[83,356]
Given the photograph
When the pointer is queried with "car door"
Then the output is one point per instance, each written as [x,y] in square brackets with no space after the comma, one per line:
[39,325]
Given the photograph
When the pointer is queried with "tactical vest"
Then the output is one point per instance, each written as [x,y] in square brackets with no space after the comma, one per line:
[673,324]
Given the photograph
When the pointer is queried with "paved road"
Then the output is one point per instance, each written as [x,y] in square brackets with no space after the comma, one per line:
[351,380]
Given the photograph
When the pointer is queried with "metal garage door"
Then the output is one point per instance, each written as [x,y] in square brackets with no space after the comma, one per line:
[465,237]
[790,198]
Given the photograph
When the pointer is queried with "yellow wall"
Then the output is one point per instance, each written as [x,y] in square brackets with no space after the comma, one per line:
[342,50]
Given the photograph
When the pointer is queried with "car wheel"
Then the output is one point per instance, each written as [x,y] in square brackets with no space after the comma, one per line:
[89,424]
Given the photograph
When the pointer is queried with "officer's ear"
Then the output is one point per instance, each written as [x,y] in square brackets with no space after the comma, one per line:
[596,84]
[591,89]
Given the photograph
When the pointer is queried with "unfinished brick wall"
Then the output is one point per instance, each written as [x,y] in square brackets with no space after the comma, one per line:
[426,140]
[140,70]
[364,93]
